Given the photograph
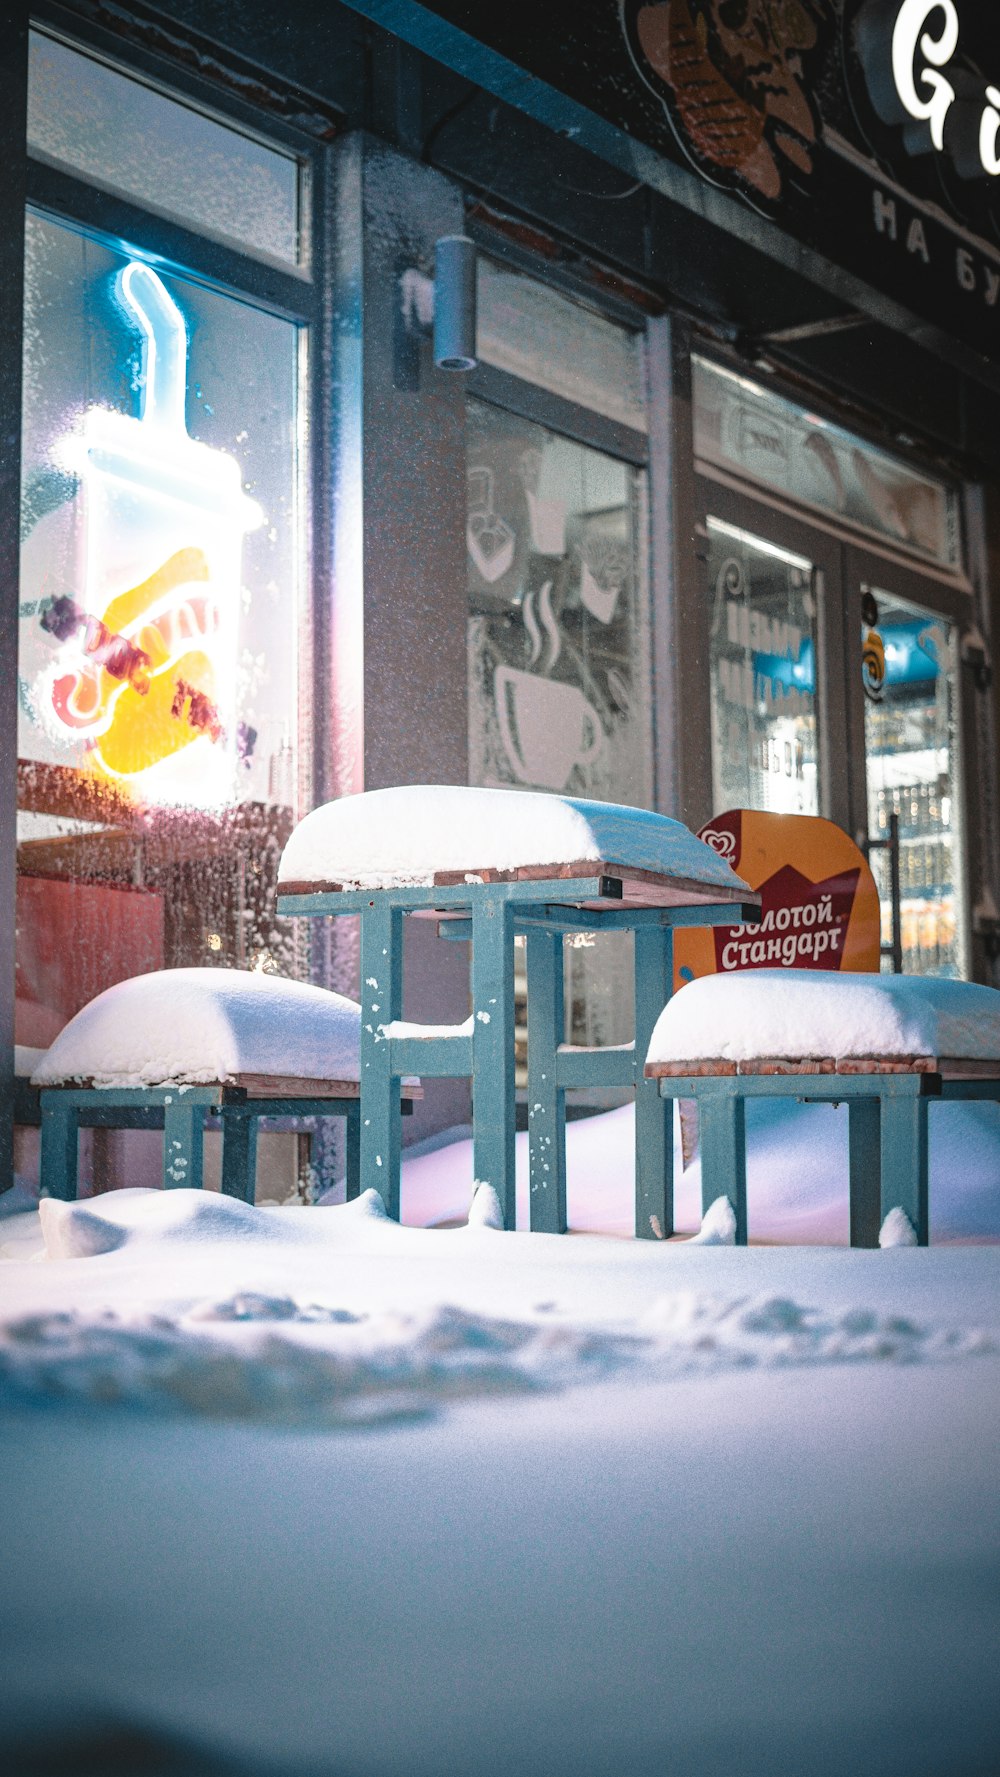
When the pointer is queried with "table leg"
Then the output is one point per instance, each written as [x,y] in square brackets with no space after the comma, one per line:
[493,1050]
[239,1153]
[183,1131]
[654,1116]
[59,1144]
[864,1134]
[546,1101]
[381,1002]
[722,1132]
[353,1181]
[904,1160]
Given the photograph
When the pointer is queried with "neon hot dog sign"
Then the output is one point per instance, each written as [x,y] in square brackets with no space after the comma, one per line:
[920,85]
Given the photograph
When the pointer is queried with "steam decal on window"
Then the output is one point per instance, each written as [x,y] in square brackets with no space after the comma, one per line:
[145,667]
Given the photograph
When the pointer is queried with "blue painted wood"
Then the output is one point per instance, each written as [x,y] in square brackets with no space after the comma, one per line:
[654,1116]
[435,1058]
[381,1003]
[722,1134]
[239,1152]
[546,1096]
[353,1181]
[608,918]
[493,1046]
[904,1160]
[58,1156]
[488,914]
[183,1129]
[888,1132]
[71,1108]
[864,1135]
[595,1067]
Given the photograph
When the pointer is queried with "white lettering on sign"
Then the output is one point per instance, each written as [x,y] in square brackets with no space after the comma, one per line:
[908,34]
[926,94]
[973,272]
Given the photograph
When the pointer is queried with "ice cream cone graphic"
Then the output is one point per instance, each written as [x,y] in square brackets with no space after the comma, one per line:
[147,669]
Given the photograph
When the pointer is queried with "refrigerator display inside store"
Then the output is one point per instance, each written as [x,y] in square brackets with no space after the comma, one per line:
[763,674]
[909,671]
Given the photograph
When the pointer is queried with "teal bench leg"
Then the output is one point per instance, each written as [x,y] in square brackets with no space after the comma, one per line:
[546,1100]
[239,1153]
[904,1159]
[353,1119]
[722,1131]
[654,1115]
[59,1143]
[864,1135]
[493,1050]
[381,1002]
[183,1130]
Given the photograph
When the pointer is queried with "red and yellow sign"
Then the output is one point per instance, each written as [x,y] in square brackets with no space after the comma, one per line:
[819,903]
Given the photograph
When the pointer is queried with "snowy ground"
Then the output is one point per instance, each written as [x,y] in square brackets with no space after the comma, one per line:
[294,1491]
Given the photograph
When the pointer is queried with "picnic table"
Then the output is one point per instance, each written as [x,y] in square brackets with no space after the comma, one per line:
[488,865]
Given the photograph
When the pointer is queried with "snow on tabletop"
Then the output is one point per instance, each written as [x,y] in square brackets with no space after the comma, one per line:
[197,1026]
[404,836]
[811,1013]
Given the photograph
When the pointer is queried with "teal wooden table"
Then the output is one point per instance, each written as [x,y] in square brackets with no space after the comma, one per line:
[488,909]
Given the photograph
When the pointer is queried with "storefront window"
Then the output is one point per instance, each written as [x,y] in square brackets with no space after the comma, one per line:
[532,331]
[158,767]
[755,432]
[909,670]
[126,137]
[763,674]
[559,672]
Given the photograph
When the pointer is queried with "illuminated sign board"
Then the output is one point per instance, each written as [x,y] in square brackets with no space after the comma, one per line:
[908,54]
[145,671]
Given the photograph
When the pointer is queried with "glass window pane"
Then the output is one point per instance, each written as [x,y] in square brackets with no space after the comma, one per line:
[739,425]
[533,332]
[763,674]
[157,671]
[129,138]
[909,675]
[559,670]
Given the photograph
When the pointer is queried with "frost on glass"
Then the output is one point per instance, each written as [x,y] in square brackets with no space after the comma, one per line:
[763,674]
[559,673]
[909,673]
[129,138]
[533,332]
[158,764]
[738,425]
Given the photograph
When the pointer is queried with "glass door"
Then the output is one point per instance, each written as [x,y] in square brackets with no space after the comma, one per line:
[909,673]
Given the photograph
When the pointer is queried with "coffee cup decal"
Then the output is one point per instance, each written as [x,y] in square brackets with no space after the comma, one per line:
[548,728]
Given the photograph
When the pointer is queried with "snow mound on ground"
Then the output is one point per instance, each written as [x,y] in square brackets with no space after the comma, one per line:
[485,1210]
[405,835]
[897,1230]
[137,1218]
[811,1013]
[198,1026]
[267,1358]
[718,1225]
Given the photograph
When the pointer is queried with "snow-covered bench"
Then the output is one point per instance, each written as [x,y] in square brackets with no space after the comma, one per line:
[886,1044]
[175,1047]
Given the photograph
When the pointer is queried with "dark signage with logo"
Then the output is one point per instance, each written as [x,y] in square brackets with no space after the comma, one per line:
[867,129]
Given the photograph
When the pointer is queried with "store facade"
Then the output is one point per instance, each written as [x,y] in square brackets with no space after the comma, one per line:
[711,524]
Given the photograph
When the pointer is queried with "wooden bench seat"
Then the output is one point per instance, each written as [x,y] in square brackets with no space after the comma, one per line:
[888,1094]
[185,1050]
